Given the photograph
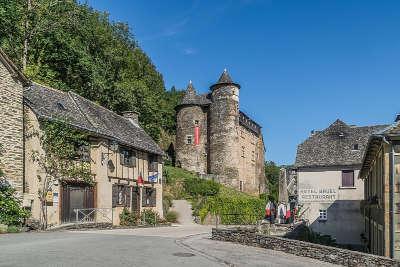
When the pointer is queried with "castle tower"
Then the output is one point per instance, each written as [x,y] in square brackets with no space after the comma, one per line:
[223,129]
[191,131]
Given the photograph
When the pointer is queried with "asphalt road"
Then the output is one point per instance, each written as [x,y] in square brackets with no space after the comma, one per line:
[165,246]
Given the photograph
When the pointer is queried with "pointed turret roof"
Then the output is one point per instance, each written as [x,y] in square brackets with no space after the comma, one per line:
[192,98]
[225,79]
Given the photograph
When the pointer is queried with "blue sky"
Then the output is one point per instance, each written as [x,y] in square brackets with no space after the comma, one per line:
[301,64]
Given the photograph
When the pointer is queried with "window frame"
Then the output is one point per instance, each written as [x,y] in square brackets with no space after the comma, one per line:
[323,215]
[189,136]
[128,157]
[343,185]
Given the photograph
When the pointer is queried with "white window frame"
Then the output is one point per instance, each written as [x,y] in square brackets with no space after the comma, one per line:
[323,215]
[187,139]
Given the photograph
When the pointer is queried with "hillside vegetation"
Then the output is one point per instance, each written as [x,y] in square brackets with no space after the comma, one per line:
[209,198]
[72,47]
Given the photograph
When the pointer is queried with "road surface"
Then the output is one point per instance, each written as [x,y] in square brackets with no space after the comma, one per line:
[187,245]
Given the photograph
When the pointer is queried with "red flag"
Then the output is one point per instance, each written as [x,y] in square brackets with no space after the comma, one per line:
[140,180]
[197,135]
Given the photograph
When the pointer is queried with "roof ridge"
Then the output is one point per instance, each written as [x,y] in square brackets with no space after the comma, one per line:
[11,67]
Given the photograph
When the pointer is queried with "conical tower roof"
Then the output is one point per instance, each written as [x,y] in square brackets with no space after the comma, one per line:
[225,79]
[192,98]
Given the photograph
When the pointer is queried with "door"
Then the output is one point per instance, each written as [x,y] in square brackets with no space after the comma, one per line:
[76,197]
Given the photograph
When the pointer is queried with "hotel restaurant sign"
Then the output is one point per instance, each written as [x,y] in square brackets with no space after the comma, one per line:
[317,195]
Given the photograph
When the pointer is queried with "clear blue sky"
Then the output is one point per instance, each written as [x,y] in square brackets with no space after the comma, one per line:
[301,64]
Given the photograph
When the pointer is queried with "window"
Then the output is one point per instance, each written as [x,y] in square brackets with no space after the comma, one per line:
[189,139]
[243,151]
[128,157]
[153,163]
[121,195]
[355,147]
[323,215]
[196,122]
[253,156]
[149,197]
[83,153]
[348,178]
[241,186]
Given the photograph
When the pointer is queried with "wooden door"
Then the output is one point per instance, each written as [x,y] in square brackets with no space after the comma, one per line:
[75,197]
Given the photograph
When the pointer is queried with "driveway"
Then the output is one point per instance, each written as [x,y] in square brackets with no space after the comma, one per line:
[165,246]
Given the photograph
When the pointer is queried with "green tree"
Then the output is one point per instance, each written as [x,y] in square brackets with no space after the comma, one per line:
[70,46]
[272,176]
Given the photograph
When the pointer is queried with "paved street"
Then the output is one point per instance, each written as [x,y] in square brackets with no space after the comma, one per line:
[166,246]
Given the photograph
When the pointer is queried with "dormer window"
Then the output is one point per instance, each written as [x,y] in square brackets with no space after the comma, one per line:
[61,106]
[355,147]
[341,134]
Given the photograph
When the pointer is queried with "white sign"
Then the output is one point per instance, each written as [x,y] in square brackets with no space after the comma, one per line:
[317,195]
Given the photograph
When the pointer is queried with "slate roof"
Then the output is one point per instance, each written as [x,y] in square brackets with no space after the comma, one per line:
[10,66]
[391,132]
[334,146]
[48,103]
[192,98]
[224,79]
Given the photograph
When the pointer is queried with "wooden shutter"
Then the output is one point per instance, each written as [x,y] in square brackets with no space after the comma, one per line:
[121,158]
[153,198]
[348,178]
[127,196]
[114,195]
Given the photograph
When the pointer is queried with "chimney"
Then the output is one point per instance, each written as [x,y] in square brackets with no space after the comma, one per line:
[397,117]
[132,116]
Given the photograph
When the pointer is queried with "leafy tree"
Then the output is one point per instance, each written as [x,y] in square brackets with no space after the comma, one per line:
[72,47]
[272,176]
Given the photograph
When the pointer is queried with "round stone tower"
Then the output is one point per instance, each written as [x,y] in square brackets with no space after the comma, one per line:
[191,131]
[224,156]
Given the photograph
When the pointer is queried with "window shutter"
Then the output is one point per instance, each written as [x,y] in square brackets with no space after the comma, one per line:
[127,196]
[114,195]
[121,158]
[153,198]
[348,178]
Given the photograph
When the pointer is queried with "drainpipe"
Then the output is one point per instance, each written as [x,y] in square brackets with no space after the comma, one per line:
[391,201]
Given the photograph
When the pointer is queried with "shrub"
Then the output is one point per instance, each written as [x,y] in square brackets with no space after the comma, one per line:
[11,212]
[172,216]
[233,208]
[150,217]
[200,187]
[13,229]
[128,218]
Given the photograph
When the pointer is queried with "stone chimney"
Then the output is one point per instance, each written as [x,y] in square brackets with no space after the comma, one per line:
[132,116]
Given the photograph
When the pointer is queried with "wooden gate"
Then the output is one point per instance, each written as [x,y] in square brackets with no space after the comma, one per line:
[75,197]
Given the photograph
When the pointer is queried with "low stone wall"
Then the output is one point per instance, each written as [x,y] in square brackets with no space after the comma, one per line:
[304,249]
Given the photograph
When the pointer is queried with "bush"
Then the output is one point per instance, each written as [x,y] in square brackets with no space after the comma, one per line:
[13,229]
[150,217]
[233,208]
[199,187]
[11,212]
[172,216]
[128,218]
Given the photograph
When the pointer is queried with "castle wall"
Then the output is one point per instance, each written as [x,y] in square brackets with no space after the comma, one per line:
[251,162]
[190,156]
[11,130]
[223,129]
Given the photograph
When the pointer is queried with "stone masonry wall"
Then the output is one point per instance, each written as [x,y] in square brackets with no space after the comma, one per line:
[223,130]
[11,128]
[251,161]
[304,249]
[189,156]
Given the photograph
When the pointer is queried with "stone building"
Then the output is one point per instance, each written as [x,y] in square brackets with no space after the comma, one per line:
[126,164]
[327,166]
[380,172]
[216,139]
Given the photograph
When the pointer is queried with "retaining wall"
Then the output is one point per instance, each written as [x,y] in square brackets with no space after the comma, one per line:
[304,249]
